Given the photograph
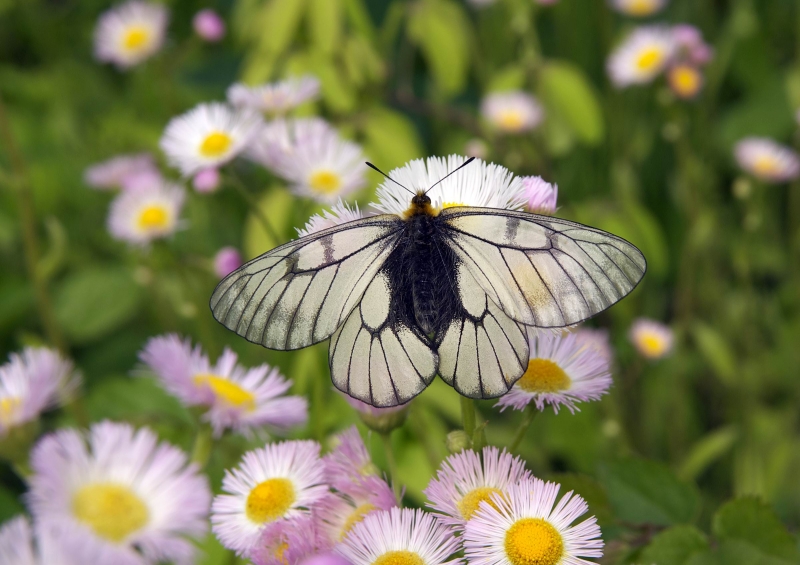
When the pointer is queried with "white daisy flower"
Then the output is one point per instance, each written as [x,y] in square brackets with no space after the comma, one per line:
[340,213]
[281,480]
[527,526]
[289,542]
[116,172]
[129,33]
[207,136]
[275,97]
[512,112]
[400,537]
[124,496]
[638,8]
[465,479]
[310,155]
[767,160]
[652,339]
[237,398]
[31,382]
[643,55]
[148,213]
[479,184]
[562,370]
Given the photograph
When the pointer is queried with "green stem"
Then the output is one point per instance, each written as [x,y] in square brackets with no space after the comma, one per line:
[239,186]
[391,462]
[530,414]
[203,442]
[468,415]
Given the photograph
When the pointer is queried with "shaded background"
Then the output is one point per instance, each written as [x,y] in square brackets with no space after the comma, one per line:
[673,440]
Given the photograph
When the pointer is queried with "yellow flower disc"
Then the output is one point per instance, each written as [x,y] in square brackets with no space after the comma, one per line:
[215,144]
[471,501]
[400,557]
[325,182]
[533,541]
[542,376]
[111,510]
[228,392]
[270,500]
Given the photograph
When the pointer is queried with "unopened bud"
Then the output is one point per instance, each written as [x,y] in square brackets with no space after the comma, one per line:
[458,440]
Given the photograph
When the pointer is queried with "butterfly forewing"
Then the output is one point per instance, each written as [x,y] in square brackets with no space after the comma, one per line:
[299,293]
[543,271]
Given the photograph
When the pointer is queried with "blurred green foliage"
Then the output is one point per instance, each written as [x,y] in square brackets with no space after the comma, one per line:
[658,458]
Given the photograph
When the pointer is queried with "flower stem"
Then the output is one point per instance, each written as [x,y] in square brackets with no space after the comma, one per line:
[386,438]
[203,442]
[468,415]
[530,414]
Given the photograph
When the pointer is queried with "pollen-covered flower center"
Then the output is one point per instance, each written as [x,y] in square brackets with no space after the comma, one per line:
[649,59]
[216,144]
[471,501]
[686,80]
[355,517]
[642,7]
[270,500]
[446,205]
[766,165]
[542,376]
[653,345]
[533,541]
[153,217]
[112,511]
[511,120]
[135,38]
[399,557]
[326,182]
[9,408]
[227,391]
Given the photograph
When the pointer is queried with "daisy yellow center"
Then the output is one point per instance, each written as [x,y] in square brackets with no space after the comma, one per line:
[9,407]
[642,7]
[270,500]
[326,182]
[542,376]
[216,144]
[135,38]
[227,391]
[154,217]
[399,557]
[685,80]
[533,541]
[471,501]
[355,517]
[446,205]
[112,511]
[652,345]
[510,120]
[649,59]
[766,165]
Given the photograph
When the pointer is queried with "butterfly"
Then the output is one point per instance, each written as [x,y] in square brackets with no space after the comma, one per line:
[404,297]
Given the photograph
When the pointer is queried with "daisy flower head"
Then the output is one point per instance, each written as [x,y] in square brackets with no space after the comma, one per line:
[512,112]
[690,45]
[479,184]
[642,56]
[146,214]
[288,542]
[685,81]
[349,461]
[237,398]
[400,537]
[767,160]
[340,511]
[129,33]
[209,135]
[114,172]
[597,339]
[652,339]
[275,98]
[208,25]
[542,197]
[562,370]
[527,526]
[118,492]
[465,479]
[20,544]
[312,157]
[31,382]
[638,8]
[279,481]
[227,260]
[340,213]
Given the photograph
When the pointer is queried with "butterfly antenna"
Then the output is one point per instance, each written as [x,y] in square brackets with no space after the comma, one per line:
[464,164]
[373,167]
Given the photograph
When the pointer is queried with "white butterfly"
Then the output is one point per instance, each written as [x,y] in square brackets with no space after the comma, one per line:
[449,291]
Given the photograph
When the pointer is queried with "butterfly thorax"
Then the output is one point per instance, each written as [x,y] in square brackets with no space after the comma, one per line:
[420,206]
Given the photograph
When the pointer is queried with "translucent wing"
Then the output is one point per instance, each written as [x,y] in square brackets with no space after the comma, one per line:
[543,271]
[377,358]
[299,293]
[482,352]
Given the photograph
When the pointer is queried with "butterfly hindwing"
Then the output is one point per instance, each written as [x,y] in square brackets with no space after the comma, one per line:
[299,293]
[543,271]
[376,357]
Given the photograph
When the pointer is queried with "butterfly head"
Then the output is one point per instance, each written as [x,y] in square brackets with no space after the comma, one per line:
[421,204]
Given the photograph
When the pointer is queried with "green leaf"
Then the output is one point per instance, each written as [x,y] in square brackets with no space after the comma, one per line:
[325,24]
[441,30]
[391,139]
[95,301]
[276,205]
[647,492]
[753,525]
[675,546]
[708,450]
[566,90]
[9,505]
[716,351]
[277,23]
[511,77]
